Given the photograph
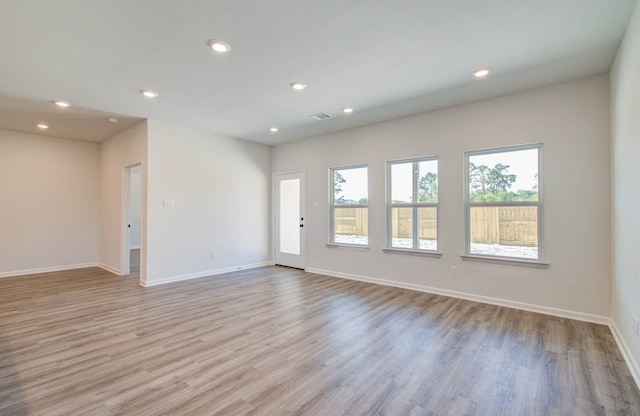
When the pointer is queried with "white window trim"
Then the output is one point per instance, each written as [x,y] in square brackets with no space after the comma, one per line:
[413,252]
[539,262]
[333,206]
[389,232]
[345,245]
[512,261]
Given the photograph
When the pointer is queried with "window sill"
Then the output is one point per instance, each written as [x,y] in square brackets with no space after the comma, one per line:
[505,260]
[354,246]
[434,254]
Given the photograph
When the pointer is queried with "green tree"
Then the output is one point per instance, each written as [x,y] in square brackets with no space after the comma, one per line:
[338,180]
[428,188]
[494,185]
[490,184]
[478,178]
[499,181]
[522,195]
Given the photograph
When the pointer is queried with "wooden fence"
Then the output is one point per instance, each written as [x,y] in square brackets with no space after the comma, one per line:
[352,221]
[402,223]
[510,226]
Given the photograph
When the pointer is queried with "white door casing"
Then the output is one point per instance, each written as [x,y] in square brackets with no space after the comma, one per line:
[290,227]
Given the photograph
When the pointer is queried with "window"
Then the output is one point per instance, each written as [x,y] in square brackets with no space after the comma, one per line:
[412,204]
[349,205]
[503,203]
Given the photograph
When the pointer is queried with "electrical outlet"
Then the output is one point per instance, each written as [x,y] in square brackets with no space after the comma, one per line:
[454,270]
[214,255]
[315,254]
[636,326]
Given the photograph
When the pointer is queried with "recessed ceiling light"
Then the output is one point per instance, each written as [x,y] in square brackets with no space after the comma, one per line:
[297,85]
[113,120]
[62,104]
[481,72]
[273,129]
[219,46]
[347,110]
[149,93]
[42,126]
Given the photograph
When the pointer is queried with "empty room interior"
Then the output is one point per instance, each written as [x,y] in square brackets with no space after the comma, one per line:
[319,208]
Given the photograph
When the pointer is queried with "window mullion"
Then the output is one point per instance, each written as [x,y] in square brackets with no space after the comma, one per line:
[416,200]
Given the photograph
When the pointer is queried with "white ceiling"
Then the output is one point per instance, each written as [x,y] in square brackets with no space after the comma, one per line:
[387,59]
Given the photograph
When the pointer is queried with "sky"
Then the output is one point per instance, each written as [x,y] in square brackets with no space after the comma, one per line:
[522,163]
[355,186]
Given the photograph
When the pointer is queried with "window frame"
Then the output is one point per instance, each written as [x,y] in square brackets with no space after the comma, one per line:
[539,204]
[415,249]
[333,206]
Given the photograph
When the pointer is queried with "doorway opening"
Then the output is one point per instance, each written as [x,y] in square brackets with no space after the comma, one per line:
[132,216]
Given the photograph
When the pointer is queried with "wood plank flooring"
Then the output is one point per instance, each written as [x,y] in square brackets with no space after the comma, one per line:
[277,341]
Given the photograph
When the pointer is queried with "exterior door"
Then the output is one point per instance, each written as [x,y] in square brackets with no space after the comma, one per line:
[290,227]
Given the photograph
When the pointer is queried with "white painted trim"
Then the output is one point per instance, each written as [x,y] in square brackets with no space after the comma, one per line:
[539,203]
[412,252]
[189,276]
[47,269]
[626,352]
[508,261]
[563,313]
[301,260]
[110,269]
[632,364]
[345,245]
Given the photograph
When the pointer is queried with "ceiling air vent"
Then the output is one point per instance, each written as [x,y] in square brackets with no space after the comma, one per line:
[320,116]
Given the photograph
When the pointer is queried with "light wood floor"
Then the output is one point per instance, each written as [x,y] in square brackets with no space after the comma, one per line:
[278,341]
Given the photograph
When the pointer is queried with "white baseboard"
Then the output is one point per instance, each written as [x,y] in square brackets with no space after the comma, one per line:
[626,352]
[189,276]
[563,313]
[47,269]
[580,316]
[109,269]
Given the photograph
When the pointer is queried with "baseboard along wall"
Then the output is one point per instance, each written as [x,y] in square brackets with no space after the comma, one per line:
[580,316]
[171,279]
[47,269]
[562,313]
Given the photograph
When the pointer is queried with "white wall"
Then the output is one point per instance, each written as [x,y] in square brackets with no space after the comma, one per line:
[571,119]
[625,109]
[135,205]
[49,203]
[220,188]
[125,149]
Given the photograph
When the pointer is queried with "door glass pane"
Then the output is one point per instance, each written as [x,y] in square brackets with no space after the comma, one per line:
[506,231]
[290,216]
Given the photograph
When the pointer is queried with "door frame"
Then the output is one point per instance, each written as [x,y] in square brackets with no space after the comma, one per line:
[125,254]
[303,213]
